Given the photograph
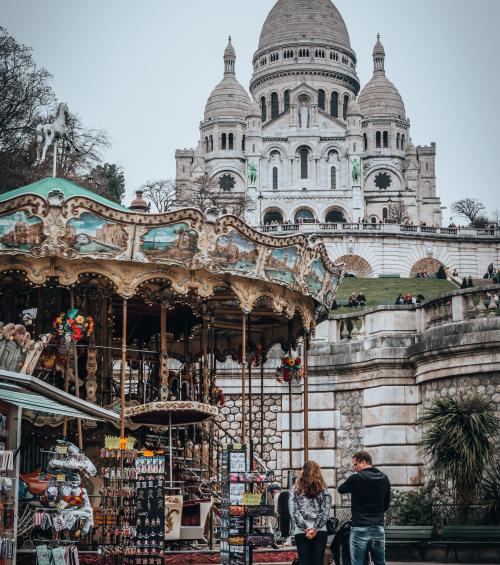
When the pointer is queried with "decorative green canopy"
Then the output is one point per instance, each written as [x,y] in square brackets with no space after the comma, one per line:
[70,190]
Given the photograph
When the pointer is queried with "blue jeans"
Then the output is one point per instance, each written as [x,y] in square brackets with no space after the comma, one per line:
[370,538]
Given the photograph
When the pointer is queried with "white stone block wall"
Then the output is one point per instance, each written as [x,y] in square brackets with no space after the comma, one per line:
[390,434]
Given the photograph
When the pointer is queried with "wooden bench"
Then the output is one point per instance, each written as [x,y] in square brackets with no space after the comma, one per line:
[455,536]
[407,535]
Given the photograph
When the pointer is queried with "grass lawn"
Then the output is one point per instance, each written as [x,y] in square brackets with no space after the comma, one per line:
[385,291]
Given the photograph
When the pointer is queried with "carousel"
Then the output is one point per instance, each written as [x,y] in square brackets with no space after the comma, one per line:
[137,312]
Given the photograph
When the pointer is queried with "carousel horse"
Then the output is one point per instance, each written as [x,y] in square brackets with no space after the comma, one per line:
[46,134]
[75,461]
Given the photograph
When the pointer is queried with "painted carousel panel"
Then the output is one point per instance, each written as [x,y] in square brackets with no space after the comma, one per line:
[19,231]
[315,277]
[176,242]
[235,253]
[90,234]
[283,264]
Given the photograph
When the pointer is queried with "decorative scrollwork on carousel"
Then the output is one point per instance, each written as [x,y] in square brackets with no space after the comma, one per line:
[224,224]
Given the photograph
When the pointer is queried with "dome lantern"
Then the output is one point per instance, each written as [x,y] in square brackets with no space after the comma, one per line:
[378,56]
[229,58]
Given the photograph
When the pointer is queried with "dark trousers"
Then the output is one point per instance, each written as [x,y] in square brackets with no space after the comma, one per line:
[311,552]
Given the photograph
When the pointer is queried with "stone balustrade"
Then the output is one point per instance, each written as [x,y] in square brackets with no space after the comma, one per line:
[393,229]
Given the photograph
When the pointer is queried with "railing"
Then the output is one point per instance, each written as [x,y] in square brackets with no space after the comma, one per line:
[343,227]
[457,306]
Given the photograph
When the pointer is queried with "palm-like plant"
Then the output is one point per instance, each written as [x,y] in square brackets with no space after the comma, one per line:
[459,435]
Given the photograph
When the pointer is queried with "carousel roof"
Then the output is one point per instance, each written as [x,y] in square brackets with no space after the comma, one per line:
[206,270]
[70,190]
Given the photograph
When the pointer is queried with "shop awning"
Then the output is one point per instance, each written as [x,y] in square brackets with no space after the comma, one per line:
[16,395]
[34,394]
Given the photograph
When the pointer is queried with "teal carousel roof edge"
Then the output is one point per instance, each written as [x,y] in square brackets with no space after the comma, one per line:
[69,188]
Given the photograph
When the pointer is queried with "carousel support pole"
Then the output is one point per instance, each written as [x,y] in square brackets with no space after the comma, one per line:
[243,378]
[262,406]
[205,388]
[289,429]
[164,358]
[170,454]
[66,387]
[75,361]
[306,399]
[250,420]
[123,372]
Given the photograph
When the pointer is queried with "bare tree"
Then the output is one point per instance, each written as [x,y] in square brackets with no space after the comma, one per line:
[241,205]
[25,93]
[89,144]
[162,193]
[204,193]
[469,208]
[398,212]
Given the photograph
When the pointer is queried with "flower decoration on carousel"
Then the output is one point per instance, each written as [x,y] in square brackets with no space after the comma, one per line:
[289,370]
[73,326]
[218,395]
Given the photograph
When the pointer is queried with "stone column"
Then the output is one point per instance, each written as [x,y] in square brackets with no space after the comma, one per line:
[390,434]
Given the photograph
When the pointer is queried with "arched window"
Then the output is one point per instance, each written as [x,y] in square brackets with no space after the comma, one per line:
[334,216]
[385,214]
[385,137]
[365,142]
[286,99]
[304,215]
[373,219]
[304,158]
[275,109]
[223,141]
[321,99]
[398,141]
[377,139]
[263,109]
[206,144]
[211,143]
[243,143]
[231,141]
[403,141]
[275,178]
[273,216]
[333,178]
[334,104]
[346,107]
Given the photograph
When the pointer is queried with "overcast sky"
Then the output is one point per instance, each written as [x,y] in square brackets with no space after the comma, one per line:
[143,70]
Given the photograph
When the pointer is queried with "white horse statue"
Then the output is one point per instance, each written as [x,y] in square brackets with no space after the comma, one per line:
[46,134]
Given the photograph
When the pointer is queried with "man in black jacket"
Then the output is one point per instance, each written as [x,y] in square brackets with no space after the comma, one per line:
[370,498]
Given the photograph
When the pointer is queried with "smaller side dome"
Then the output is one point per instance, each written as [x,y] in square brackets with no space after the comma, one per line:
[228,99]
[379,97]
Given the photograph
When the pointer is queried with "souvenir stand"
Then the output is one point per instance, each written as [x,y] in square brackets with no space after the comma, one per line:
[170,296]
[243,497]
[8,441]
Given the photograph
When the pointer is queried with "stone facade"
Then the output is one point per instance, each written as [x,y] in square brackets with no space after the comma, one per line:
[308,144]
[370,375]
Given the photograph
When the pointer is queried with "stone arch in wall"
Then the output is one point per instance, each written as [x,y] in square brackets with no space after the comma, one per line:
[356,264]
[428,264]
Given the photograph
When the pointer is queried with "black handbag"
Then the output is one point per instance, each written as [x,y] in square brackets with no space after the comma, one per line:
[332,525]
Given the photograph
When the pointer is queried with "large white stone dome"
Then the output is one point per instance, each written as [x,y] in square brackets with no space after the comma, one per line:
[292,21]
